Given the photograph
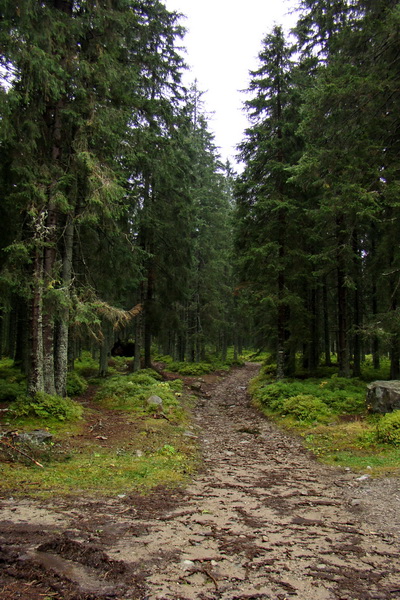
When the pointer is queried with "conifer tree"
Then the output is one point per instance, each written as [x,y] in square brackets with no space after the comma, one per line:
[265,196]
[79,81]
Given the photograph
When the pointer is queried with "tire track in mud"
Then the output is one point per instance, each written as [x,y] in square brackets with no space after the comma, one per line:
[262,520]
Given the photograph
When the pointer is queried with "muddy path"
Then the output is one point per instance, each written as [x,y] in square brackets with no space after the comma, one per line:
[262,520]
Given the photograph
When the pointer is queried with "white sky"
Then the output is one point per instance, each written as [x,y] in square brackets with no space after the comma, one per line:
[223,40]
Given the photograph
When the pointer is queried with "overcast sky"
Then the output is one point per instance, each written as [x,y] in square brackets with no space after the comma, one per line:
[223,40]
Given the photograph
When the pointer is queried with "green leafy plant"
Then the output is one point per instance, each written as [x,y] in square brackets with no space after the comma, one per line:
[86,365]
[130,392]
[10,390]
[388,428]
[306,408]
[46,406]
[76,384]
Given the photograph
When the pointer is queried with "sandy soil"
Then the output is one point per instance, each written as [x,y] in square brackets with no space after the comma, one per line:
[262,520]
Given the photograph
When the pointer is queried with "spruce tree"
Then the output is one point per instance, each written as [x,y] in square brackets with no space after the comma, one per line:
[266,198]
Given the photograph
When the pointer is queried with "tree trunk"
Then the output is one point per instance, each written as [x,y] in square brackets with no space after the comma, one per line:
[327,341]
[343,343]
[313,347]
[105,348]
[48,313]
[357,309]
[21,342]
[138,342]
[148,317]
[375,339]
[61,363]
[36,375]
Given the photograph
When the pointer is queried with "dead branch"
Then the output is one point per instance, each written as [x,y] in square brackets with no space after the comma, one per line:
[21,452]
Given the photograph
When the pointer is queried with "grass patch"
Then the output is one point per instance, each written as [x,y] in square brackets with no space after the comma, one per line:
[104,472]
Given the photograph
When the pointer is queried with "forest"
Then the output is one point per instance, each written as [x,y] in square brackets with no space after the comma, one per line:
[121,225]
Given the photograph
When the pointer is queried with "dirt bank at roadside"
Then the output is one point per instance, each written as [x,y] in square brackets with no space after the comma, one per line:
[262,520]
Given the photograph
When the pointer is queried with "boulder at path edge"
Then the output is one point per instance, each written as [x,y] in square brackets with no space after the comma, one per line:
[383,396]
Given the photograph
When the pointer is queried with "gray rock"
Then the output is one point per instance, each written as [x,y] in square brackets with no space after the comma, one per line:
[38,436]
[154,401]
[383,396]
[196,386]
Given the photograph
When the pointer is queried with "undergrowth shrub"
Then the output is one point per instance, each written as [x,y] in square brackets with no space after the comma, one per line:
[208,365]
[338,395]
[45,406]
[388,428]
[150,372]
[306,408]
[10,390]
[130,392]
[76,384]
[272,395]
[201,368]
[12,381]
[86,365]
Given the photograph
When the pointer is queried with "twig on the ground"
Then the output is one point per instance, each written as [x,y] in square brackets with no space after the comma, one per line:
[21,452]
[215,582]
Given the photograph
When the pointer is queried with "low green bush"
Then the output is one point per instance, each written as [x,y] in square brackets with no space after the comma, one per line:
[306,408]
[194,369]
[149,372]
[388,429]
[12,381]
[176,385]
[10,390]
[340,395]
[9,372]
[76,384]
[46,407]
[272,395]
[130,392]
[86,365]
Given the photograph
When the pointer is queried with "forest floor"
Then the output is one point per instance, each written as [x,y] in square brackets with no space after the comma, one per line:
[262,519]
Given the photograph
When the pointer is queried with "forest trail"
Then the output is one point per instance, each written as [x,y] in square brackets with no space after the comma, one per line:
[262,520]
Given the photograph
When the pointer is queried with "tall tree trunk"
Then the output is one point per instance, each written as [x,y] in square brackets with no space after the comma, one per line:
[374,306]
[48,313]
[394,341]
[105,348]
[21,342]
[61,363]
[343,342]
[327,340]
[357,309]
[148,316]
[375,340]
[36,375]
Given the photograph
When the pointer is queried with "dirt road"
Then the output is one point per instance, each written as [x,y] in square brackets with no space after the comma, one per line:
[263,520]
